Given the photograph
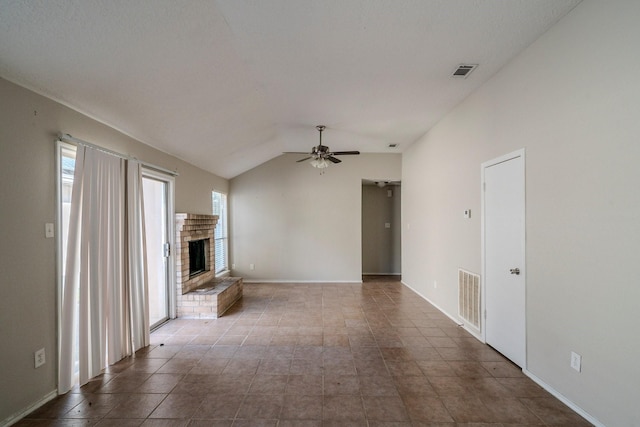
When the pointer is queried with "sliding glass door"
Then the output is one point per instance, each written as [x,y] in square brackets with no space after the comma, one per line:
[74,302]
[157,211]
[158,207]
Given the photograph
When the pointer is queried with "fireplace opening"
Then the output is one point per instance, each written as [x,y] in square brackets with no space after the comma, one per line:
[197,257]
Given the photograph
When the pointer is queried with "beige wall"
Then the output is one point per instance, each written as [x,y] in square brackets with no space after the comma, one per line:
[29,124]
[294,224]
[572,101]
[381,245]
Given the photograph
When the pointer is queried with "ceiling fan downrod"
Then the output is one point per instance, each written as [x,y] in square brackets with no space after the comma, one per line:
[320,129]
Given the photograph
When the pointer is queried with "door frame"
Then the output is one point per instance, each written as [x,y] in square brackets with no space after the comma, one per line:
[171,264]
[504,158]
[396,224]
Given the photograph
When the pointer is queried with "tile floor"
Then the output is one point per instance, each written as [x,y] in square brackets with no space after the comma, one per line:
[289,355]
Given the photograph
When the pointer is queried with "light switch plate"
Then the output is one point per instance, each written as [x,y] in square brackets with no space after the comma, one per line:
[48,230]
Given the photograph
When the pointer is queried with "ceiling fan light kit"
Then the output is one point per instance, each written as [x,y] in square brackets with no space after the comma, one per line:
[319,163]
[321,156]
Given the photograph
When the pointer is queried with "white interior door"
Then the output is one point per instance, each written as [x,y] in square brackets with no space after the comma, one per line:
[504,256]
[157,201]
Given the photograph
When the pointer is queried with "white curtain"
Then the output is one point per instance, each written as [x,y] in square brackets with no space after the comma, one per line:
[104,297]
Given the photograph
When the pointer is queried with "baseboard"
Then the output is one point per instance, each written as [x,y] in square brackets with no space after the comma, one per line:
[456,321]
[17,417]
[381,274]
[301,281]
[534,378]
[578,410]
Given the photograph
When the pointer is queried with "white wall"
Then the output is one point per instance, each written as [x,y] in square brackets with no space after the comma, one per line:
[573,101]
[380,245]
[29,124]
[294,224]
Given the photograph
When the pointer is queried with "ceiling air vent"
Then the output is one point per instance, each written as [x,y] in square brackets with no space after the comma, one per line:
[393,145]
[464,70]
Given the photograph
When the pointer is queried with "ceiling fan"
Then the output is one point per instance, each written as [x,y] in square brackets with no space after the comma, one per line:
[321,153]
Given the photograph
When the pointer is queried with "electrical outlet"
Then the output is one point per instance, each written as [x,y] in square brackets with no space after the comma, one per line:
[252,266]
[233,266]
[576,361]
[435,285]
[39,358]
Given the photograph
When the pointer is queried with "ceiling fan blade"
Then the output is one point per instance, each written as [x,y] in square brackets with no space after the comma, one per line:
[343,153]
[295,152]
[321,153]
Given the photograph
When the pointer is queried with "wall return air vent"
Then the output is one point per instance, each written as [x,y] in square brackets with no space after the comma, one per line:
[463,71]
[469,298]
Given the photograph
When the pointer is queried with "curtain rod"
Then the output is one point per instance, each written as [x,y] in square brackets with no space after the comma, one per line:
[68,138]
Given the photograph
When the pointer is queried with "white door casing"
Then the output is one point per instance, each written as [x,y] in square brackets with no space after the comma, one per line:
[503,250]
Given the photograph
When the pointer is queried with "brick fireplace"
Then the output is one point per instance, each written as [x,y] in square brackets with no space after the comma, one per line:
[191,228]
[199,293]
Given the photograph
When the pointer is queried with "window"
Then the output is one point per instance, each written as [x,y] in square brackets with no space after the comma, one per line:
[67,159]
[221,234]
[66,169]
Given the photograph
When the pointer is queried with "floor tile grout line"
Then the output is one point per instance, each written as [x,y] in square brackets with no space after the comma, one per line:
[369,306]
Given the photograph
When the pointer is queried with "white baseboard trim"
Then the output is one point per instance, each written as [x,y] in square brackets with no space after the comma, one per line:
[474,333]
[578,410]
[453,318]
[301,281]
[381,274]
[17,417]
[457,321]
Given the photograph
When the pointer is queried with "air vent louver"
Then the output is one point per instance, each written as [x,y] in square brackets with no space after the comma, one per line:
[464,70]
[469,298]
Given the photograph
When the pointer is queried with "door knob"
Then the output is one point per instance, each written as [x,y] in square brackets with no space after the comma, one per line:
[515,271]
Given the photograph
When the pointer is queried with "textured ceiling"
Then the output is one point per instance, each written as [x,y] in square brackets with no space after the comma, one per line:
[230,84]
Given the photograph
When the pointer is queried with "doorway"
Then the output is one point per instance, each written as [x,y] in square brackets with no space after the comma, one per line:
[158,212]
[381,253]
[503,249]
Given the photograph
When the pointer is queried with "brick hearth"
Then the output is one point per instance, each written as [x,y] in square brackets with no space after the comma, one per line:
[201,296]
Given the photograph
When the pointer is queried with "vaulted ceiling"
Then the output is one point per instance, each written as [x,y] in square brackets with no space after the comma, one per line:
[229,84]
